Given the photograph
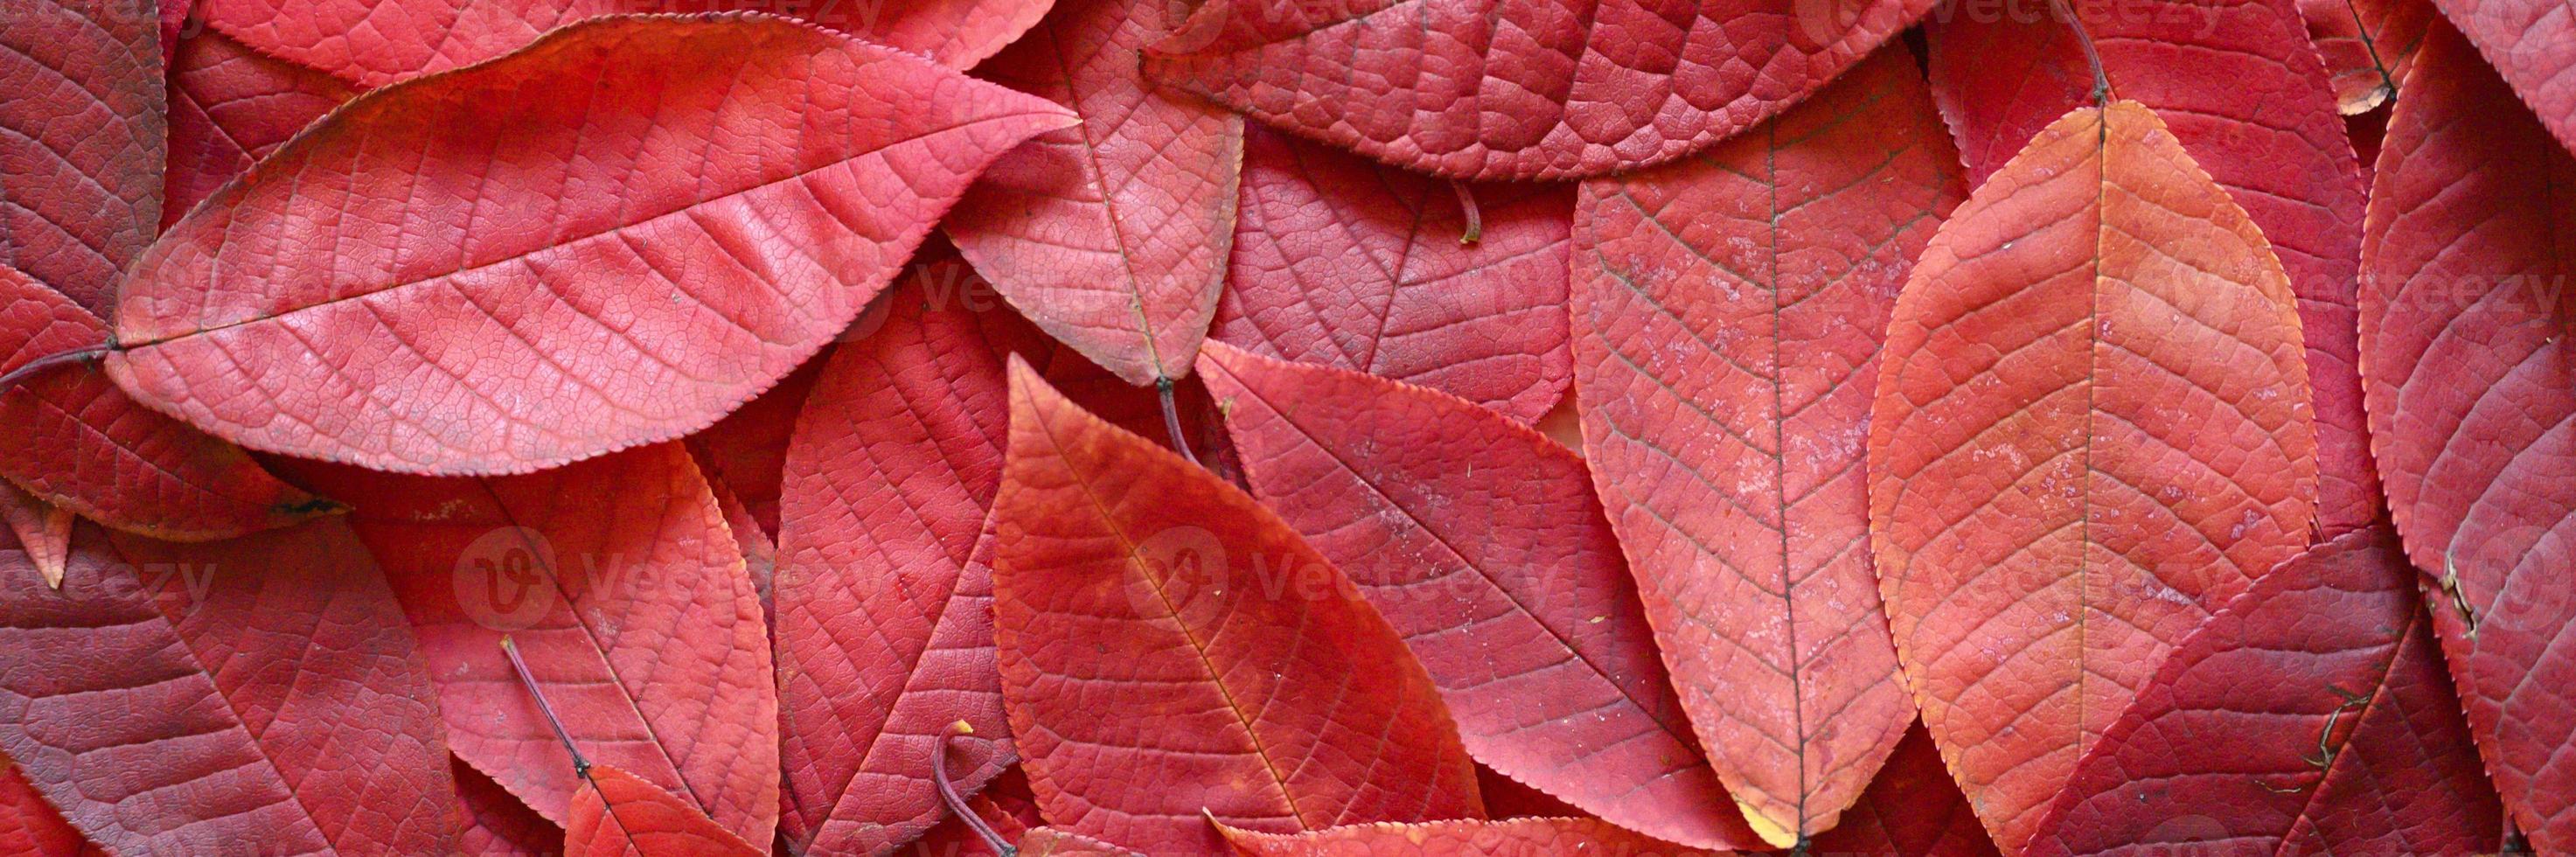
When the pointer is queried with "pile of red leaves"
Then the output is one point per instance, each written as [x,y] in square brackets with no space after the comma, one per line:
[1281,427]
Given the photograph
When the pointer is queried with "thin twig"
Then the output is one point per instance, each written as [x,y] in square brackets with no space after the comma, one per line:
[1172,420]
[580,766]
[58,358]
[2092,55]
[957,803]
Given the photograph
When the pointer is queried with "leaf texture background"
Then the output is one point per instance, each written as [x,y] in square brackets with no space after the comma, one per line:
[1732,304]
[1172,652]
[1343,262]
[80,159]
[1506,90]
[2533,46]
[30,826]
[1519,837]
[2472,384]
[1480,542]
[2091,430]
[486,318]
[230,106]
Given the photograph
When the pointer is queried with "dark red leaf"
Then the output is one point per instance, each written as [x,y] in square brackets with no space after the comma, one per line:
[262,693]
[746,452]
[82,140]
[1005,804]
[1509,798]
[2308,716]
[230,106]
[1732,305]
[885,633]
[2238,84]
[1496,90]
[515,298]
[1111,235]
[616,814]
[2091,431]
[1170,648]
[1480,542]
[1343,262]
[2466,324]
[619,582]
[2532,45]
[1912,809]
[29,826]
[497,824]
[2367,45]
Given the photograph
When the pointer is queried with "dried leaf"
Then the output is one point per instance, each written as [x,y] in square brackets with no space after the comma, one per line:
[1732,305]
[2091,430]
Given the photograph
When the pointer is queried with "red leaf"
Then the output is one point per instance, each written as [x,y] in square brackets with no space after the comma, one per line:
[2472,380]
[261,693]
[1005,804]
[616,814]
[1494,90]
[1111,235]
[1509,798]
[1519,837]
[2533,46]
[82,134]
[2091,430]
[1912,809]
[620,584]
[514,299]
[230,106]
[2241,88]
[1480,542]
[1343,262]
[885,633]
[2367,45]
[1733,304]
[2308,716]
[29,826]
[498,824]
[1150,675]
[746,452]
[77,442]
[1051,842]
[44,532]
[373,43]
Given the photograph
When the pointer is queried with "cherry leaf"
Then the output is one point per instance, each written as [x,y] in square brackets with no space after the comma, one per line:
[231,106]
[617,814]
[1912,808]
[82,133]
[1170,648]
[2091,430]
[1111,235]
[29,826]
[2472,388]
[498,824]
[263,693]
[1519,837]
[1343,262]
[515,300]
[2367,45]
[2533,46]
[619,582]
[1480,542]
[43,531]
[1732,304]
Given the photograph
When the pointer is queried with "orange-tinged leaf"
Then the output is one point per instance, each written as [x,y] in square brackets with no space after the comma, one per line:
[1730,306]
[2091,429]
[619,582]
[43,530]
[82,135]
[1112,235]
[261,693]
[885,630]
[1479,541]
[1490,89]
[1170,648]
[616,814]
[77,442]
[542,279]
[1054,842]
[2466,325]
[1519,837]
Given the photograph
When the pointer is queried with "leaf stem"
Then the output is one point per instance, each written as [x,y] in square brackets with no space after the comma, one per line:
[580,766]
[957,803]
[58,358]
[1475,230]
[1172,420]
[2092,54]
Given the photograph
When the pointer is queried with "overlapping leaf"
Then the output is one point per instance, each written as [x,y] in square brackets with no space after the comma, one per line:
[2367,45]
[2091,430]
[1480,542]
[496,823]
[2466,320]
[230,106]
[1731,306]
[618,581]
[1171,652]
[1508,90]
[885,633]
[2241,88]
[617,814]
[2308,716]
[1343,262]
[2533,46]
[373,43]
[1111,235]
[82,139]
[516,296]
[1912,808]
[29,825]
[43,531]
[1519,837]
[263,693]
